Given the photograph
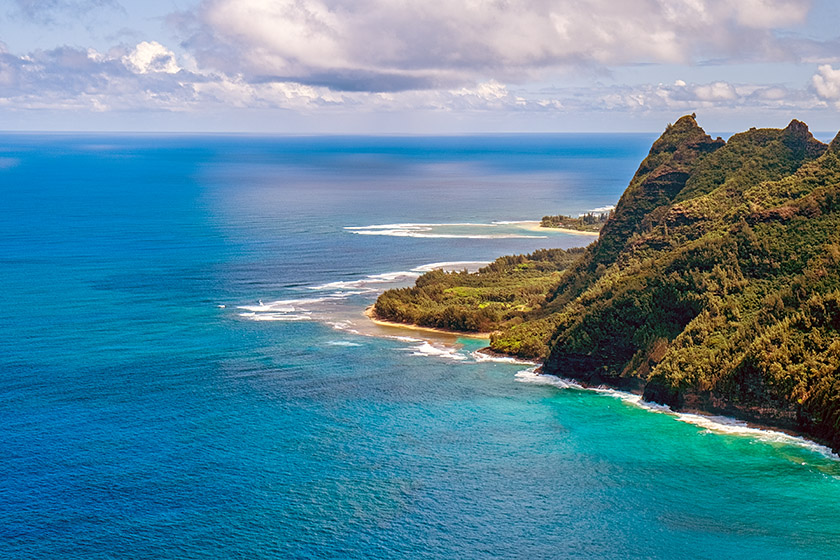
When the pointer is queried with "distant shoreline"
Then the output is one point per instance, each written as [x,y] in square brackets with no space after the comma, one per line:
[370,314]
[535,226]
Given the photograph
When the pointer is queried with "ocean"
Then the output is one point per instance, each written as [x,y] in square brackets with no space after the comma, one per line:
[185,370]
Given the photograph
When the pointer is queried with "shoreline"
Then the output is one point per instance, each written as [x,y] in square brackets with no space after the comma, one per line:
[369,313]
[713,416]
[721,418]
[535,226]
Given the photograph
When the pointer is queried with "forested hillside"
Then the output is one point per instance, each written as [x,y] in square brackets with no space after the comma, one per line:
[714,285]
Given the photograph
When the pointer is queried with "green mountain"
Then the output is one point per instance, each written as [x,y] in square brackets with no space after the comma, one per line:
[714,286]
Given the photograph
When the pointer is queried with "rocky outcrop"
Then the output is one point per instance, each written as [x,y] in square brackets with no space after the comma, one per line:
[716,284]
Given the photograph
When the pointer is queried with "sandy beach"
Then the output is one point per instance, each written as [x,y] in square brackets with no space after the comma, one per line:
[370,315]
[535,226]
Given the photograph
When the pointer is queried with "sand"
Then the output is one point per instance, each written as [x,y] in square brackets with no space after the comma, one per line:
[535,226]
[369,314]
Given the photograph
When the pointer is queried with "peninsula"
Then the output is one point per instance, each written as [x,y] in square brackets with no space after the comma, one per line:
[714,285]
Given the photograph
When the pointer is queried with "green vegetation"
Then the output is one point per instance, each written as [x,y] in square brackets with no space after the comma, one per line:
[714,286]
[501,295]
[591,221]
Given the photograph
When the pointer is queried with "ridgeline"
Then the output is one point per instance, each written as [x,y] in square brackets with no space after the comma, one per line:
[714,285]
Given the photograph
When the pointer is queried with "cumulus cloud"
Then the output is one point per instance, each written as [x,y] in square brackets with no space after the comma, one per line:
[151,57]
[324,57]
[717,91]
[667,99]
[769,13]
[71,78]
[826,82]
[684,97]
[382,45]
[149,76]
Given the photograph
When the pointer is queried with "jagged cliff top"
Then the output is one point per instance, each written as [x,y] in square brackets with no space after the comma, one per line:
[716,284]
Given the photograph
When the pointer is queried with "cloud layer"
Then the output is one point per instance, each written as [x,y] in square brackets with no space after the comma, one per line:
[149,76]
[325,57]
[384,45]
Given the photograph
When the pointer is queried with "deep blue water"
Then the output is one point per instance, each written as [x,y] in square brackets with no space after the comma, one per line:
[142,420]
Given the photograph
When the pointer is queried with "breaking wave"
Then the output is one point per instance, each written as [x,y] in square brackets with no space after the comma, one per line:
[712,424]
[324,307]
[420,347]
[493,230]
[327,308]
[480,356]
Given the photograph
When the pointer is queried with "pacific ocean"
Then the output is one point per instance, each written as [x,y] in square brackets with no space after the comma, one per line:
[185,371]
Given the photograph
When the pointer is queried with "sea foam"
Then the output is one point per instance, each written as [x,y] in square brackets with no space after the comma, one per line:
[320,308]
[530,375]
[457,230]
[426,348]
[711,423]
[480,357]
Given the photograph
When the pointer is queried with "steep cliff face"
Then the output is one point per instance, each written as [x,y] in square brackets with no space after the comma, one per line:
[661,177]
[716,284]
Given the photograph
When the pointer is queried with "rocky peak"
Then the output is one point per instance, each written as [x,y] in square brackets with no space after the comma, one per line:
[684,132]
[834,146]
[661,176]
[798,138]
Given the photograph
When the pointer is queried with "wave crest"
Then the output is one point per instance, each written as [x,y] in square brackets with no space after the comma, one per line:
[457,230]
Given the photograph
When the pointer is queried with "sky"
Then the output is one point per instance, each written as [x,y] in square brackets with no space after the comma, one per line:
[417,66]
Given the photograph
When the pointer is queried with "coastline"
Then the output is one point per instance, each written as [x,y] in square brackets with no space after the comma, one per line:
[369,313]
[723,421]
[535,226]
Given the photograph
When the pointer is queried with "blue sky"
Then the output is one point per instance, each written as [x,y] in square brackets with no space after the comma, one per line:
[431,66]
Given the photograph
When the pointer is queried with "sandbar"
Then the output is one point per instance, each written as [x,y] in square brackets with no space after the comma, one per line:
[535,226]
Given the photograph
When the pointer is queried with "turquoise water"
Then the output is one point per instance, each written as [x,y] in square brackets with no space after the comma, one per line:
[185,371]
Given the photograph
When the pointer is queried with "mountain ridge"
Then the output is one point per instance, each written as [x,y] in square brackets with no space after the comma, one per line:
[714,286]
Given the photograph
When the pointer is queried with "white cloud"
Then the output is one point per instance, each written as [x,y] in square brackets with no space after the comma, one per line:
[491,91]
[770,13]
[717,91]
[681,98]
[385,45]
[827,82]
[147,77]
[151,56]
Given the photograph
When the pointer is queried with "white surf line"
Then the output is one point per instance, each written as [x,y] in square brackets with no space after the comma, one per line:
[402,233]
[480,357]
[301,309]
[296,309]
[716,424]
[343,343]
[471,266]
[370,283]
[427,230]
